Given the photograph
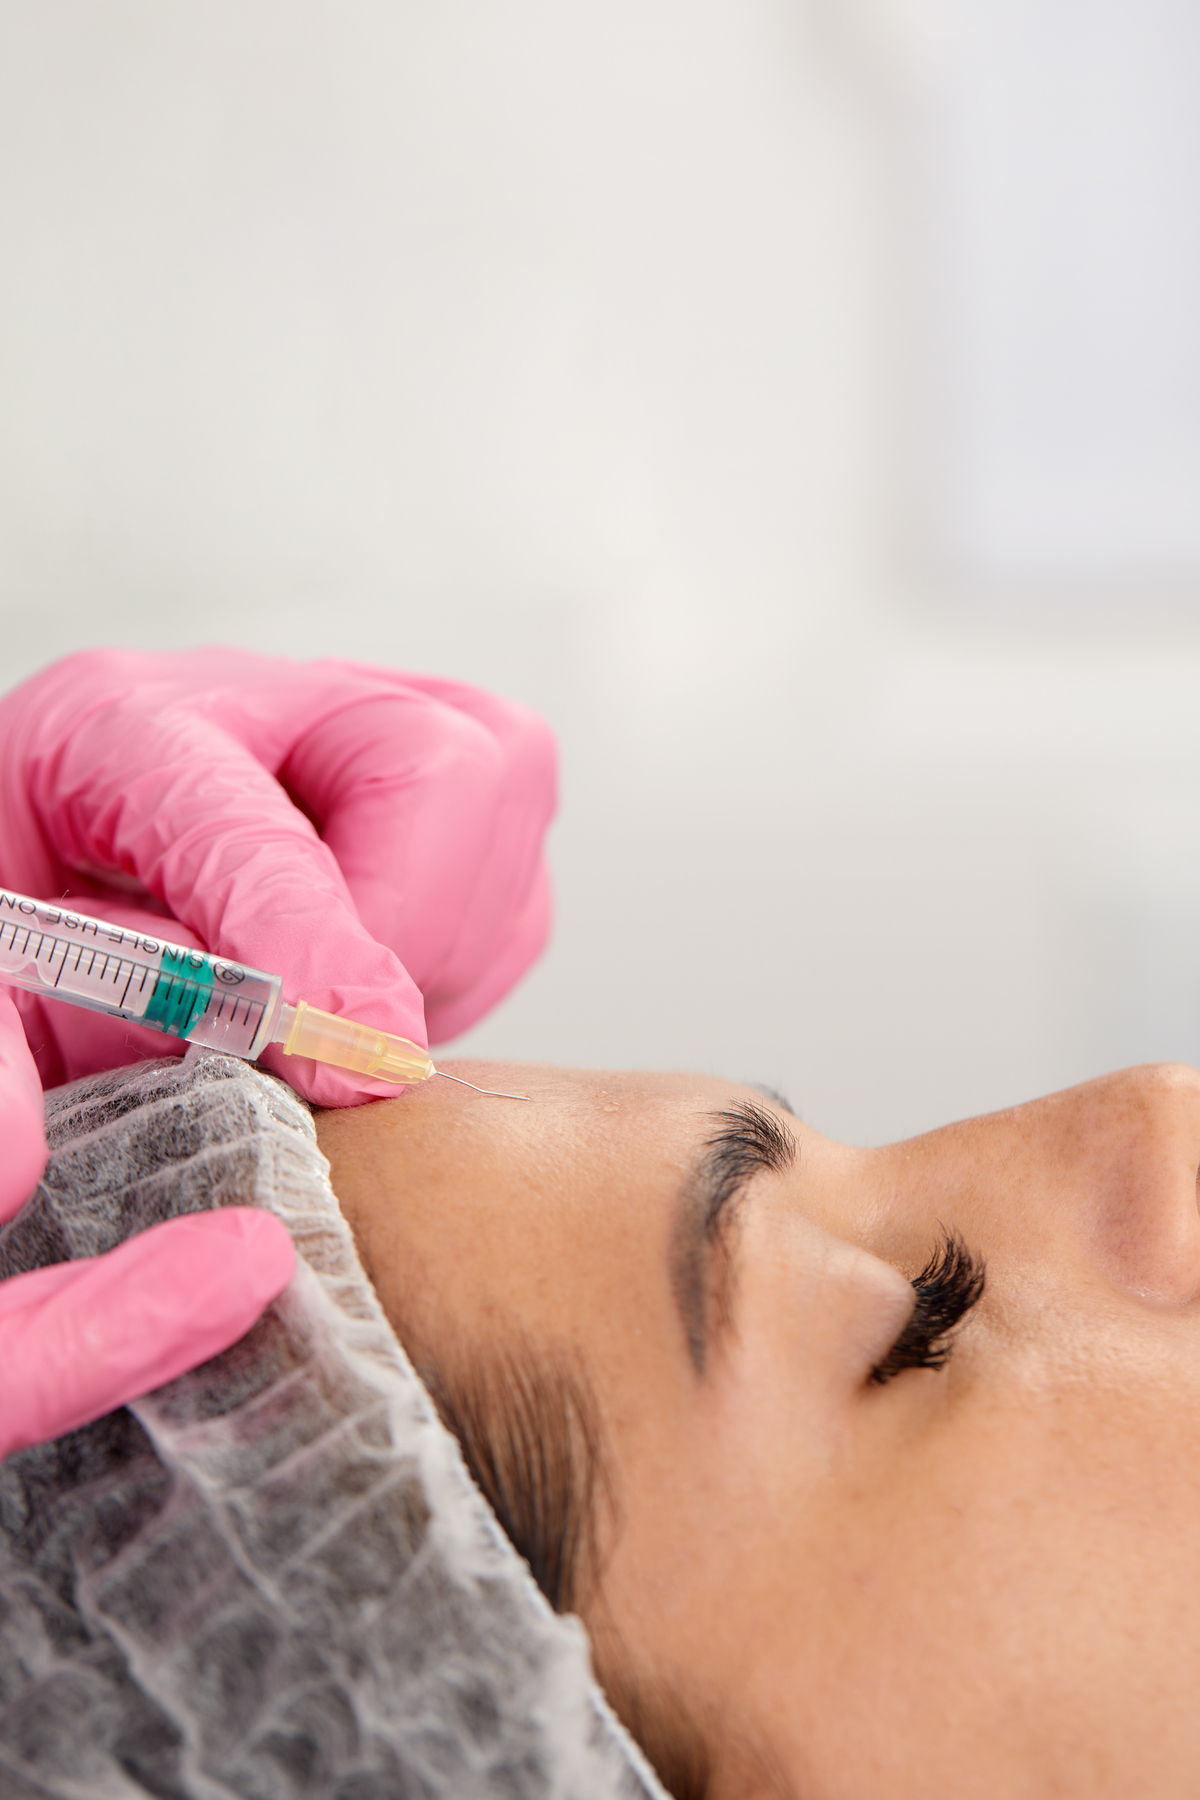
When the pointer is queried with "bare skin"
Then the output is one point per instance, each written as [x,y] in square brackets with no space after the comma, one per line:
[982,1580]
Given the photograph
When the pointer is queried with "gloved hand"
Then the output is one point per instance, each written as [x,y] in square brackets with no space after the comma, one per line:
[371,837]
[367,836]
[82,1337]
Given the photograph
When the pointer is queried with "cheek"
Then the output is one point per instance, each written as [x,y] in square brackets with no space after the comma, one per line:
[1025,1577]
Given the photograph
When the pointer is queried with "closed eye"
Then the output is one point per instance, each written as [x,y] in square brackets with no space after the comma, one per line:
[946,1289]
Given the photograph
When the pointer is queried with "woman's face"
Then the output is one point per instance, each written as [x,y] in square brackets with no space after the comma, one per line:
[981,1579]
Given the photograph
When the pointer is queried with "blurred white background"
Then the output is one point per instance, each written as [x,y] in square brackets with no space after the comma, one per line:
[763,390]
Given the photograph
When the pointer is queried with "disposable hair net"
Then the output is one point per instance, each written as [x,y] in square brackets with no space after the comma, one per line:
[273,1577]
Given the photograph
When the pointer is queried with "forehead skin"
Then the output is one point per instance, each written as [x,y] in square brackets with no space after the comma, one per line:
[552,1219]
[982,1580]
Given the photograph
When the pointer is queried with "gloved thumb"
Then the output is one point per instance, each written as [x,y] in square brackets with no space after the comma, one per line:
[80,1338]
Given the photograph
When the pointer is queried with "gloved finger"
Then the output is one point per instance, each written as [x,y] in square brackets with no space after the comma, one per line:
[435,800]
[179,803]
[80,1338]
[22,1113]
[69,1041]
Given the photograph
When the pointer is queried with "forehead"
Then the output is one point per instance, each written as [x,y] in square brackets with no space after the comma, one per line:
[576,1122]
[554,1214]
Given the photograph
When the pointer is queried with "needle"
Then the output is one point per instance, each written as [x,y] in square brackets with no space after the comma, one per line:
[491,1093]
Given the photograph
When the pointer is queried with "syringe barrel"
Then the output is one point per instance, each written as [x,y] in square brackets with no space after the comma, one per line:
[62,954]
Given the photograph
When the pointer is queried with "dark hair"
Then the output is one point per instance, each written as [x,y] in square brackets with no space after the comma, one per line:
[530,1433]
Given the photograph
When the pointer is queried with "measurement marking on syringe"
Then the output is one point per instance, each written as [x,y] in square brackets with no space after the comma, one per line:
[252,1010]
[126,975]
[66,966]
[28,932]
[234,1001]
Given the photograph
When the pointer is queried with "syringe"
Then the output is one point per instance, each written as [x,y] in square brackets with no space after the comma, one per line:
[62,954]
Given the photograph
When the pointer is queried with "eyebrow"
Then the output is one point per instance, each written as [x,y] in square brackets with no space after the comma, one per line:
[746,1139]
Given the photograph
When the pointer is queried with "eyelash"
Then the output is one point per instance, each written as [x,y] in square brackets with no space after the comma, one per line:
[949,1285]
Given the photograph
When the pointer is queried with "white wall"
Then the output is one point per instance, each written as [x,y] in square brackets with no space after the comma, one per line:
[578,351]
[1066,169]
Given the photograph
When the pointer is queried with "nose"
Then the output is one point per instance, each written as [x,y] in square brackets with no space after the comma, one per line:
[1102,1177]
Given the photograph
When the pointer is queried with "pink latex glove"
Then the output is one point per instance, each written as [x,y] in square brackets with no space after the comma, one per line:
[366,835]
[82,1337]
[371,837]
